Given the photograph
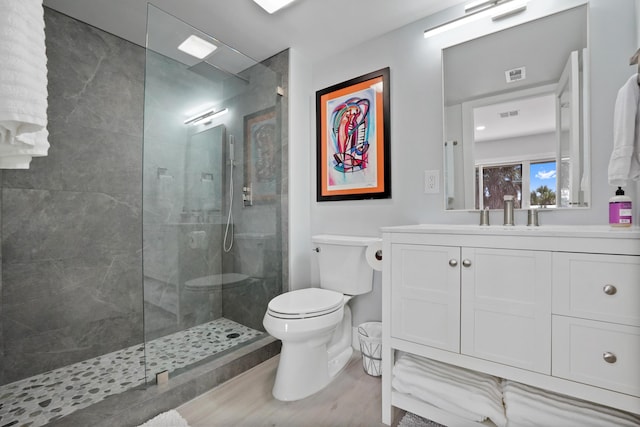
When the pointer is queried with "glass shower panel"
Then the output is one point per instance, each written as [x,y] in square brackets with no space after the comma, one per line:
[212,213]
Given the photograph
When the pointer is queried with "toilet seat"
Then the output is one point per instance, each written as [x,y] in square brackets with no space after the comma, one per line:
[305,303]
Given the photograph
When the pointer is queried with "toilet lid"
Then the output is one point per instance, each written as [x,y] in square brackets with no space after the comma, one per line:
[303,303]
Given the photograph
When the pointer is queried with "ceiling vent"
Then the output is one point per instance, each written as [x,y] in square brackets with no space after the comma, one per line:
[516,74]
[507,114]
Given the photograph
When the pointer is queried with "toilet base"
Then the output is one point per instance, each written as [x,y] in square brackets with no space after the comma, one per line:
[303,373]
[339,362]
[309,365]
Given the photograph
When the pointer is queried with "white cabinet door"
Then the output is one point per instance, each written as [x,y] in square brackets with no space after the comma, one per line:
[425,295]
[506,307]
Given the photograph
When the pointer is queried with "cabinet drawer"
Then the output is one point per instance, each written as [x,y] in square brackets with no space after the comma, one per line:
[580,347]
[599,287]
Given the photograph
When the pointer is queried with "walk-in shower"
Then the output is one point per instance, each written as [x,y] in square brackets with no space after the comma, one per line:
[209,263]
[148,257]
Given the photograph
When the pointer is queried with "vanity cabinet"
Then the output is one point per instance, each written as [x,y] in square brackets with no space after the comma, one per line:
[489,303]
[554,307]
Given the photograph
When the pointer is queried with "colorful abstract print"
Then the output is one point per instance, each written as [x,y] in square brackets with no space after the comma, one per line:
[350,135]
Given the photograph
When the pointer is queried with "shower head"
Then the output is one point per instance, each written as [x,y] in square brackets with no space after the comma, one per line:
[232,140]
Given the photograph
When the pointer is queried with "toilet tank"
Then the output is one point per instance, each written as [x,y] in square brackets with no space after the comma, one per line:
[252,251]
[342,263]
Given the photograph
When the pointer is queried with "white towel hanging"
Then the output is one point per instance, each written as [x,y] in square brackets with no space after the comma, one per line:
[624,164]
[23,83]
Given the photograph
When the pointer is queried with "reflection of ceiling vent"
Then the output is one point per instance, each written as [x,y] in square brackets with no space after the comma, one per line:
[511,113]
[516,74]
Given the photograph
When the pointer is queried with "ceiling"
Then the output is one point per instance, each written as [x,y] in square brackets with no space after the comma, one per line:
[315,28]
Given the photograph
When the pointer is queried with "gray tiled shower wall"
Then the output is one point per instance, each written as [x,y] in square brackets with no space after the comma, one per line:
[71,229]
[71,277]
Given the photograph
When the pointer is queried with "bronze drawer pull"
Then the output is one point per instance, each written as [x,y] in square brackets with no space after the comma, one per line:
[609,289]
[609,357]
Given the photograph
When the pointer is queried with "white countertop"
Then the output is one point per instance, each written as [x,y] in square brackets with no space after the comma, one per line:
[586,231]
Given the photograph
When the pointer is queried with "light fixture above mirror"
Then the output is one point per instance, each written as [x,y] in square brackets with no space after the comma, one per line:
[497,9]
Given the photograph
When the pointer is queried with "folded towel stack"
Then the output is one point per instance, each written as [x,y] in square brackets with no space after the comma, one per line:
[23,83]
[529,406]
[468,394]
[624,164]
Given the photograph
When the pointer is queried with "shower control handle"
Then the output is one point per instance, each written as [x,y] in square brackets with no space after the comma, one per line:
[247,196]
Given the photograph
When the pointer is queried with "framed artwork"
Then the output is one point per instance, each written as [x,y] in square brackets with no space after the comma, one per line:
[261,165]
[352,125]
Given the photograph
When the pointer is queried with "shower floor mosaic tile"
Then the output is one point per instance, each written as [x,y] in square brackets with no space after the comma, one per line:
[37,400]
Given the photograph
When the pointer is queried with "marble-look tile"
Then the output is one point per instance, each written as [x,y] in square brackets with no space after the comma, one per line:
[84,159]
[95,112]
[72,271]
[2,365]
[41,225]
[247,302]
[104,87]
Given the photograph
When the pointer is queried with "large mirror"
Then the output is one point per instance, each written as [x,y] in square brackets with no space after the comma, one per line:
[515,120]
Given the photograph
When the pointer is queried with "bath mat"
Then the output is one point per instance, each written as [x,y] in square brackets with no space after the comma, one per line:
[167,419]
[412,420]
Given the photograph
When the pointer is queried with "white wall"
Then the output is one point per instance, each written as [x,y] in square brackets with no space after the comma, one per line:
[416,124]
[300,191]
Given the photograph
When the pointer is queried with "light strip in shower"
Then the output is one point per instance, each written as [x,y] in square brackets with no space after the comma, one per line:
[207,115]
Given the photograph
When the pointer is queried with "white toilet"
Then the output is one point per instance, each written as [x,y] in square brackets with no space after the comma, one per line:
[314,324]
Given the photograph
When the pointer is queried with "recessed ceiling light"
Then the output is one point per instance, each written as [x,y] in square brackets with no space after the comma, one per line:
[195,46]
[272,5]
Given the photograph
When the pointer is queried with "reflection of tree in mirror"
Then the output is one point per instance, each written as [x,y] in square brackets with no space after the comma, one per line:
[499,181]
[543,196]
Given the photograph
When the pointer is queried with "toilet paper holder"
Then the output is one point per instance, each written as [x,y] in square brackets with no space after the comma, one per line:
[378,254]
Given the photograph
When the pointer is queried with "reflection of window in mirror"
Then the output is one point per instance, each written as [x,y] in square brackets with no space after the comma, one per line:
[497,181]
[542,179]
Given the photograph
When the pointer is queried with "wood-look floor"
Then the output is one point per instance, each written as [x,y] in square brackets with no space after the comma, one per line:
[352,399]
